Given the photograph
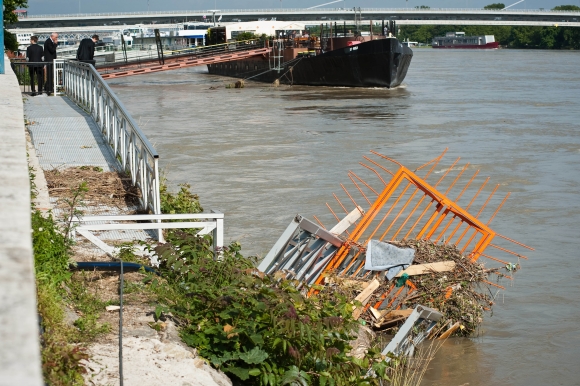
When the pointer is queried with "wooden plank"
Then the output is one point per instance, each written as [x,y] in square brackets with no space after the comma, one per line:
[451,330]
[389,323]
[376,313]
[346,222]
[367,292]
[420,269]
[364,297]
[400,313]
[394,314]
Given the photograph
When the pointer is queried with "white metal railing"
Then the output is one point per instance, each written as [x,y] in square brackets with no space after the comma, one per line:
[58,79]
[83,84]
[208,222]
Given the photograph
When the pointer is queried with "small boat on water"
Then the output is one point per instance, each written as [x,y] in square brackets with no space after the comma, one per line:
[459,40]
[333,60]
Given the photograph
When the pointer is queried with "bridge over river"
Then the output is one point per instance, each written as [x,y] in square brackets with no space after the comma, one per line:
[405,16]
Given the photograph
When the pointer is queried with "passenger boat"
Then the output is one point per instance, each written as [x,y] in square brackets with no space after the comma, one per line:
[459,40]
[348,61]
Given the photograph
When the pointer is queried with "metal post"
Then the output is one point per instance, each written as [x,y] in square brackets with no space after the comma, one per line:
[54,77]
[121,327]
[2,40]
[159,47]
[125,47]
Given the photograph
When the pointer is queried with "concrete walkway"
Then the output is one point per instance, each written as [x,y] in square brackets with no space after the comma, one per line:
[19,343]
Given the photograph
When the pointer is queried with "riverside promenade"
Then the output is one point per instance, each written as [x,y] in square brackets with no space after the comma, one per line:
[63,135]
[19,332]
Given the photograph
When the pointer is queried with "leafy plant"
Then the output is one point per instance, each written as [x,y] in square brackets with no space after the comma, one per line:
[256,328]
[73,205]
[182,202]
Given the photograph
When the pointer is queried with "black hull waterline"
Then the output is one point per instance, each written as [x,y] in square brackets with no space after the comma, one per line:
[376,63]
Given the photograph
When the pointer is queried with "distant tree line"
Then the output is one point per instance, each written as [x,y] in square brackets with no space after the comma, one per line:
[495,6]
[553,37]
[512,37]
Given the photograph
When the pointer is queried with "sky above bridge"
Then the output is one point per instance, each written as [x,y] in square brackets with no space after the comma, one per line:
[44,7]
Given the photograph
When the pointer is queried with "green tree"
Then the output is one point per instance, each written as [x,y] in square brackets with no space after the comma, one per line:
[423,7]
[548,37]
[495,6]
[9,18]
[9,7]
[246,36]
[571,38]
[566,8]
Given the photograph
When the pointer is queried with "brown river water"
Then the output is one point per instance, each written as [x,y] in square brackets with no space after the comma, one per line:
[263,154]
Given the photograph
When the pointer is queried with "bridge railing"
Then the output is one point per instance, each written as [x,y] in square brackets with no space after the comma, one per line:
[83,84]
[200,13]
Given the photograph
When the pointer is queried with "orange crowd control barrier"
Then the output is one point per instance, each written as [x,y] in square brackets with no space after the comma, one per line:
[408,206]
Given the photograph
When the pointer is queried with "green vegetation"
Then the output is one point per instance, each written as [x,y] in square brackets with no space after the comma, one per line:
[512,37]
[60,359]
[62,344]
[182,202]
[566,8]
[9,18]
[258,329]
[423,7]
[251,36]
[495,6]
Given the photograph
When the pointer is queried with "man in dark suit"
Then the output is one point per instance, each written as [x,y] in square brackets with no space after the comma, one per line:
[34,54]
[49,56]
[86,51]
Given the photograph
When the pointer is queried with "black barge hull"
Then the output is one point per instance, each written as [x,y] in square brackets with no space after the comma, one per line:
[376,63]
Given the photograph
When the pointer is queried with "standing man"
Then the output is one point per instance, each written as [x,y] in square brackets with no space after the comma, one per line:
[49,56]
[86,51]
[34,54]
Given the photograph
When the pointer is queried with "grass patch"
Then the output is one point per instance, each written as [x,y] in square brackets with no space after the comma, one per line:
[63,346]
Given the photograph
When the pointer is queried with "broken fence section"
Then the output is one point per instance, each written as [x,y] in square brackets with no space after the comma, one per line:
[447,206]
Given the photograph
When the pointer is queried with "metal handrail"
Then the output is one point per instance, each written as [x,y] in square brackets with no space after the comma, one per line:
[197,52]
[85,86]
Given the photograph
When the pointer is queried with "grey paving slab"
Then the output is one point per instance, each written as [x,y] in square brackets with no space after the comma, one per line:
[65,136]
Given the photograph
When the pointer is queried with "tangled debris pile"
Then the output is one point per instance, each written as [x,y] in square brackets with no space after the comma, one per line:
[440,278]
[104,188]
[436,265]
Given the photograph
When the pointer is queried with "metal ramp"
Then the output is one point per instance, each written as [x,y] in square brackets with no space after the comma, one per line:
[65,136]
[188,58]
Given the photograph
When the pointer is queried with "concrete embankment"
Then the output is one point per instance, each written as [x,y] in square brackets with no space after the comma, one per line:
[19,342]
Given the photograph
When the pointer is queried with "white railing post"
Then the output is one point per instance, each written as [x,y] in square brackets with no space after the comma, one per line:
[218,234]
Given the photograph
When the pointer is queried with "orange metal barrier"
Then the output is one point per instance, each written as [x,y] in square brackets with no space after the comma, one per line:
[408,206]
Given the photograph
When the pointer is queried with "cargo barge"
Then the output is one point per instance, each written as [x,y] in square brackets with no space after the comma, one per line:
[361,61]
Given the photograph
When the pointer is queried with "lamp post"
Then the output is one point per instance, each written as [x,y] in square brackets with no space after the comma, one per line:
[213,12]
